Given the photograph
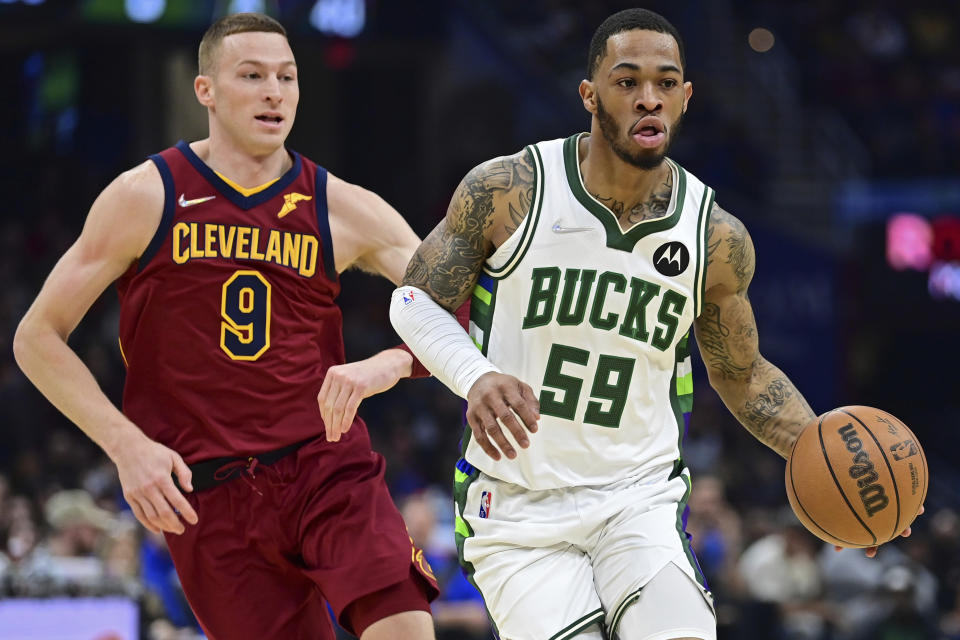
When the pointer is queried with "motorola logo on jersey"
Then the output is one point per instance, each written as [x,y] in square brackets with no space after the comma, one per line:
[671,259]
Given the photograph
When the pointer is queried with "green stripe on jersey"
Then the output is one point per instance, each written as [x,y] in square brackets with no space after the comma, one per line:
[460,527]
[482,294]
[685,385]
[529,221]
[684,540]
[700,274]
[482,305]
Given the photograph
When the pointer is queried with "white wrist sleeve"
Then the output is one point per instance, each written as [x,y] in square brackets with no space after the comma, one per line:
[438,340]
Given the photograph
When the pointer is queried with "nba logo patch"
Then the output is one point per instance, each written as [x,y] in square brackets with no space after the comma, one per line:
[407,297]
[485,499]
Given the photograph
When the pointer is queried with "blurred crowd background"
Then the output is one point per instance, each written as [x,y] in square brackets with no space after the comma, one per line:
[818,123]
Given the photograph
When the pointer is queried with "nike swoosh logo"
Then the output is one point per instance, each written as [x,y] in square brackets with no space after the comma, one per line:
[556,228]
[183,202]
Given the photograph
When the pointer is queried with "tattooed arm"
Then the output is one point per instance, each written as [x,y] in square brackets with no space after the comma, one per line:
[488,206]
[760,396]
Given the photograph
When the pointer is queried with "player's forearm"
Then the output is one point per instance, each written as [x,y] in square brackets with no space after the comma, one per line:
[53,367]
[768,404]
[438,340]
[395,361]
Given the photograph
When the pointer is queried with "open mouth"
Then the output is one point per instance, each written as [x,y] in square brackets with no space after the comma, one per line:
[647,127]
[270,119]
[648,132]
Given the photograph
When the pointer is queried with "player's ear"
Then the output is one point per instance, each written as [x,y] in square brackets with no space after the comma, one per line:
[588,94]
[687,92]
[203,88]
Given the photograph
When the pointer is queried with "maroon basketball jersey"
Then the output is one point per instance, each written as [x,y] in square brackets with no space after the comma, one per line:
[228,322]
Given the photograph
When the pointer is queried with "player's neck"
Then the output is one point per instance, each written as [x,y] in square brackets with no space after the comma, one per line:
[246,169]
[605,173]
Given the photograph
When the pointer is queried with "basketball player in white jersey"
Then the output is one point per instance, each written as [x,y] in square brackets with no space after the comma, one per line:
[588,260]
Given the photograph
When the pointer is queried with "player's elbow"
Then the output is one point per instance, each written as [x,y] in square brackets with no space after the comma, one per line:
[28,341]
[24,342]
[719,382]
[729,377]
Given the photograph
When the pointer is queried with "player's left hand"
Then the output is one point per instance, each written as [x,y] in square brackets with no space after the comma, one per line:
[872,551]
[345,385]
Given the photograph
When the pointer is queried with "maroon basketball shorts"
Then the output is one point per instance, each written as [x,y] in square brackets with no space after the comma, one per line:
[276,543]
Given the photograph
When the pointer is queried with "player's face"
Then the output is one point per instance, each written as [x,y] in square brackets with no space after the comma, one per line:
[638,95]
[255,90]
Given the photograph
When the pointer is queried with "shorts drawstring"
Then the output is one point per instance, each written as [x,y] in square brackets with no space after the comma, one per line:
[246,469]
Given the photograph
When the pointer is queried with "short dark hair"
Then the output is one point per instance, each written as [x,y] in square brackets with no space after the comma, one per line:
[628,20]
[227,26]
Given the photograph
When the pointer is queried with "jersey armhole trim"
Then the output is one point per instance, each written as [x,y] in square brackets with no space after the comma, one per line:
[166,221]
[703,226]
[529,222]
[323,225]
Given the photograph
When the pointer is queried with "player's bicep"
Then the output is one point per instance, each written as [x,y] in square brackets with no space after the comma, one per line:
[367,232]
[448,262]
[726,329]
[393,244]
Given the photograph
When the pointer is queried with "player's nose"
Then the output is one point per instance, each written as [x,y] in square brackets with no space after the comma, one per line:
[272,91]
[647,98]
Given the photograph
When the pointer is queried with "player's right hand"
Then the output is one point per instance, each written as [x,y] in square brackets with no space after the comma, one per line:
[145,469]
[500,396]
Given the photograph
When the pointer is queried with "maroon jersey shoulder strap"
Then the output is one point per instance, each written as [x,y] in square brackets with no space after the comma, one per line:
[169,203]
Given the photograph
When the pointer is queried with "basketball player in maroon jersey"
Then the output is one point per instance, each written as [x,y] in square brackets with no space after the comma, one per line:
[228,327]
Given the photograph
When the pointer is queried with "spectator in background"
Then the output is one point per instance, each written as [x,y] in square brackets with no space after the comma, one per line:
[902,618]
[459,613]
[120,556]
[950,622]
[715,530]
[944,559]
[164,597]
[79,529]
[781,570]
[863,589]
[20,535]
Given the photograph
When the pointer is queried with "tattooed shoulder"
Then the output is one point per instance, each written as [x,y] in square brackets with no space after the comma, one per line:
[730,252]
[498,191]
[489,203]
[512,181]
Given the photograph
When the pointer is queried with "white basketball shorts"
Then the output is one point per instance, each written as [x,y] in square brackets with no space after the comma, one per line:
[553,563]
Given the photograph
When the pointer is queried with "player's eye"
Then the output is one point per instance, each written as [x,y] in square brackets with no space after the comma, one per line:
[627,82]
[669,83]
[253,75]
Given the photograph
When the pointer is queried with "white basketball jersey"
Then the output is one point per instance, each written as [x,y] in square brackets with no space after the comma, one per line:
[596,320]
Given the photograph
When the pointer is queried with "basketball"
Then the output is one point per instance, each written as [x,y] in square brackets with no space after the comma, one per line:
[856,477]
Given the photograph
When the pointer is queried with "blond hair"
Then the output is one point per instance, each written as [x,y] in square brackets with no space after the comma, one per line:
[227,26]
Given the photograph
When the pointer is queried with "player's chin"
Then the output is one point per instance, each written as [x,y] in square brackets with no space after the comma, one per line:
[265,143]
[648,158]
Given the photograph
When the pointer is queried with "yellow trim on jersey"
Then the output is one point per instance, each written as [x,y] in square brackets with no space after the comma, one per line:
[244,191]
[122,354]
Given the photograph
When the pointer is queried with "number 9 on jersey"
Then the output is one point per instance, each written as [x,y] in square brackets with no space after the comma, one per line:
[245,316]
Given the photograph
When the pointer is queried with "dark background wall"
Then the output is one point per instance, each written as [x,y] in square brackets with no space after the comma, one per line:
[851,117]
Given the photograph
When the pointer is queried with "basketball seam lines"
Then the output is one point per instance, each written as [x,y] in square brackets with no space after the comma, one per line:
[856,515]
[893,478]
[793,485]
